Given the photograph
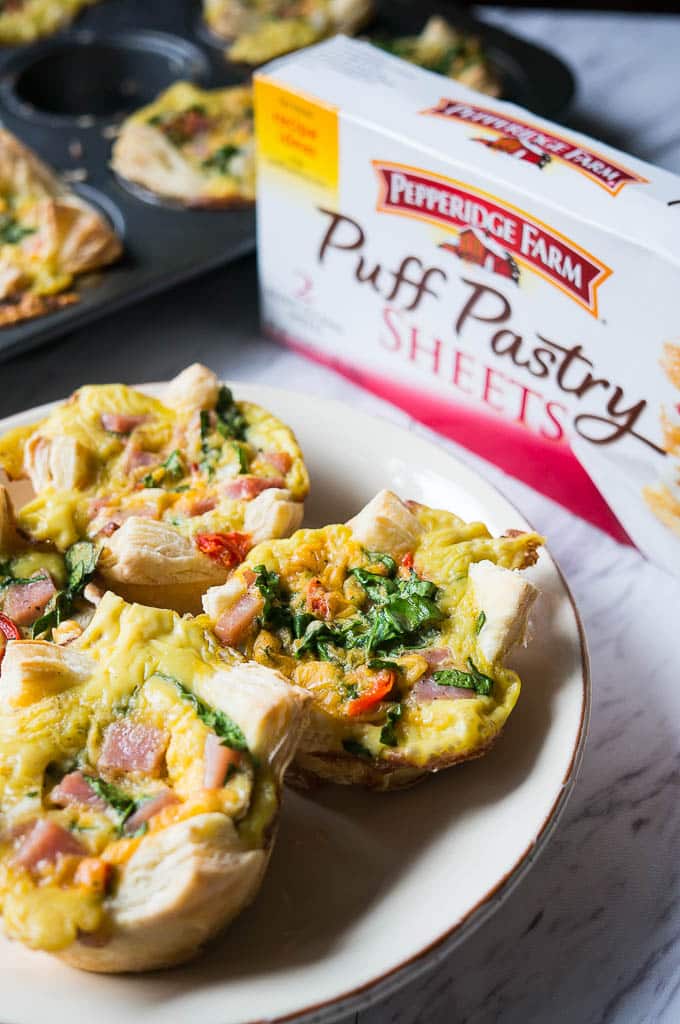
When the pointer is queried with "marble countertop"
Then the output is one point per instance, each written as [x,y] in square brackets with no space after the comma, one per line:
[592,935]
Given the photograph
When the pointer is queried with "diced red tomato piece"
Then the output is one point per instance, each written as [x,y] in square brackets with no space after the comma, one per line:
[382,684]
[317,599]
[407,560]
[229,549]
[8,631]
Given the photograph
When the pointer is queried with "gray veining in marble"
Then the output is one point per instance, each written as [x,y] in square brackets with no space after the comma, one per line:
[592,935]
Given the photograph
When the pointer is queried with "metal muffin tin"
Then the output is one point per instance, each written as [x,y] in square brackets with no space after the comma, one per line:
[64,97]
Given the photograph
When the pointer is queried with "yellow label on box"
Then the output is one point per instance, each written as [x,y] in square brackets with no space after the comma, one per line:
[297,133]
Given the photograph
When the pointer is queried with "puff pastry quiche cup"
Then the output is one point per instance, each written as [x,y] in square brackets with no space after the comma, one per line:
[192,145]
[139,788]
[442,48]
[48,236]
[398,624]
[264,29]
[173,491]
[24,21]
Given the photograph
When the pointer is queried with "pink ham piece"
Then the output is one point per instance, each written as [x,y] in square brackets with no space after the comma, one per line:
[157,803]
[426,690]
[217,761]
[136,457]
[120,422]
[246,488]
[436,656]
[118,517]
[25,602]
[45,843]
[97,504]
[75,789]
[280,461]
[234,624]
[133,747]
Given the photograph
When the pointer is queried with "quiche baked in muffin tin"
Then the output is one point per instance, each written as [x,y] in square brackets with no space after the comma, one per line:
[66,96]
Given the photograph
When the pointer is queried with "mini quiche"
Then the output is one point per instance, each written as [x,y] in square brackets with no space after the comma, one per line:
[448,51]
[192,145]
[48,236]
[140,787]
[398,624]
[43,592]
[173,490]
[264,29]
[23,21]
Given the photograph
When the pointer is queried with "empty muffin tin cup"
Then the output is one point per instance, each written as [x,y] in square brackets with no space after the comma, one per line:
[83,76]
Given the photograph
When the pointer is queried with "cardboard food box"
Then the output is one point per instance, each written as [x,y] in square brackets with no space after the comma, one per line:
[512,284]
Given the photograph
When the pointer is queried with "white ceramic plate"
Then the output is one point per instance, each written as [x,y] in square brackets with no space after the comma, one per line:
[364,889]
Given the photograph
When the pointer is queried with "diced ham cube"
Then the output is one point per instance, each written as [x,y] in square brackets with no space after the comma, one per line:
[232,626]
[45,843]
[436,656]
[117,518]
[120,422]
[136,457]
[246,488]
[75,789]
[280,461]
[426,689]
[217,761]
[25,602]
[157,803]
[97,504]
[133,747]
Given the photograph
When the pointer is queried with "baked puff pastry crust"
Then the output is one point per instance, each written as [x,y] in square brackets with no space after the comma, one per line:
[398,623]
[173,491]
[139,807]
[266,29]
[191,145]
[48,236]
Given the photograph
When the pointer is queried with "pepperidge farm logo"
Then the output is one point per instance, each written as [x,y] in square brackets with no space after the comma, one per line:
[497,236]
[604,172]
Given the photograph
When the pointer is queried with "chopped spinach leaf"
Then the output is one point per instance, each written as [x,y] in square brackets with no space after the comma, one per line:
[276,613]
[231,422]
[356,748]
[122,803]
[81,561]
[219,161]
[380,663]
[210,454]
[479,624]
[9,581]
[242,456]
[219,721]
[11,231]
[472,680]
[386,560]
[388,733]
[172,469]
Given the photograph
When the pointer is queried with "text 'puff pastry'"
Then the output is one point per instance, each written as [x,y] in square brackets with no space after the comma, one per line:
[398,624]
[140,789]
